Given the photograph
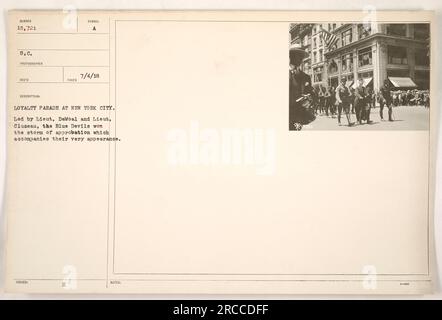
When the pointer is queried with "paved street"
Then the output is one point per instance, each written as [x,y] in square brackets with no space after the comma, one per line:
[405,118]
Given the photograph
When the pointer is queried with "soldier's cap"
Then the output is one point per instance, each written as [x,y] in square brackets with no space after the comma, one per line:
[296,50]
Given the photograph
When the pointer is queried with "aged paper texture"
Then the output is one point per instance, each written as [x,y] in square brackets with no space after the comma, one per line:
[164,152]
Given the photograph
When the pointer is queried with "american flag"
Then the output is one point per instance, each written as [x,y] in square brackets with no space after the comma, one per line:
[329,38]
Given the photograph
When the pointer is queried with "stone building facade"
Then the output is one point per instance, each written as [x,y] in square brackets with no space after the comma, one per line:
[374,52]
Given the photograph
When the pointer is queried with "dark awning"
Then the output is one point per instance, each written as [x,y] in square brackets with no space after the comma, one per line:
[402,82]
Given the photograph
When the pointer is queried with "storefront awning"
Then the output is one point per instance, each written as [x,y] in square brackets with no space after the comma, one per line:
[366,83]
[402,82]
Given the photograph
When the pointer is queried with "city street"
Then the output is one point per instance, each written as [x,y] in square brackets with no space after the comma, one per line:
[405,118]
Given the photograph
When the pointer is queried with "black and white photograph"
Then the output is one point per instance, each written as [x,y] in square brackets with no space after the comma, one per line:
[359,76]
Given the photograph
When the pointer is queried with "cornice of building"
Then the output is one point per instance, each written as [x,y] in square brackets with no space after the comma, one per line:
[372,37]
[341,27]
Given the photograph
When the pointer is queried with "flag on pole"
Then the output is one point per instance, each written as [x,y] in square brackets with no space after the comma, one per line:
[329,38]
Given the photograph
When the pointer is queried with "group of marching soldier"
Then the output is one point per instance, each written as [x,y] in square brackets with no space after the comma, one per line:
[360,100]
[307,102]
[344,100]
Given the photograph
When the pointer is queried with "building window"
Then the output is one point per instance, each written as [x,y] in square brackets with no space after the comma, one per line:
[333,67]
[421,31]
[398,73]
[397,55]
[422,79]
[397,30]
[364,75]
[317,74]
[292,34]
[333,82]
[320,55]
[346,37]
[347,63]
[314,57]
[318,77]
[364,30]
[421,57]
[347,78]
[314,43]
[365,57]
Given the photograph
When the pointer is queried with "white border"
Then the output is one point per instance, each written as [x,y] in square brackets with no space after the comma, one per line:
[220,5]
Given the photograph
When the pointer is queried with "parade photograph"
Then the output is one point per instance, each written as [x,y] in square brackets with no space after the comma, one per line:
[359,76]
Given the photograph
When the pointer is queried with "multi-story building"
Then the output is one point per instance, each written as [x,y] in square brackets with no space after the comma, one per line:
[374,52]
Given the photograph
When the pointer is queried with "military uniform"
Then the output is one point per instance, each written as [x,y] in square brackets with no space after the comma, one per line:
[386,100]
[300,90]
[300,112]
[361,104]
[343,102]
